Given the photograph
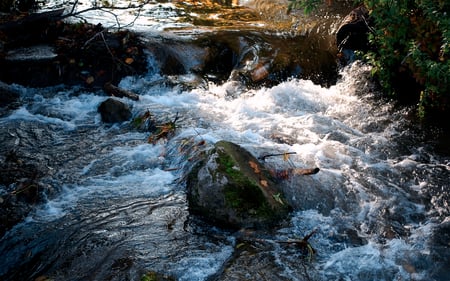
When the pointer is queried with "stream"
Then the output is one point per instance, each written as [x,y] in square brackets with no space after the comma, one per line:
[117,209]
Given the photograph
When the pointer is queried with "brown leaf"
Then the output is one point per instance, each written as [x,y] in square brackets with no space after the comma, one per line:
[254,166]
[263,183]
[90,80]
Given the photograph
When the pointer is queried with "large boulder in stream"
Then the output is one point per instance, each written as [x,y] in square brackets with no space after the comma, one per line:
[231,188]
[114,111]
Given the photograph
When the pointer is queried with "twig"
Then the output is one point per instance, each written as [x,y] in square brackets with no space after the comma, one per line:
[263,158]
[106,9]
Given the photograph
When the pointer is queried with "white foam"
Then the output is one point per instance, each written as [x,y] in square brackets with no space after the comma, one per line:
[24,114]
[324,127]
[60,110]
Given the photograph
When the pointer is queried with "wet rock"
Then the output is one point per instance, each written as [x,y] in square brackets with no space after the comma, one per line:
[40,50]
[114,111]
[440,253]
[230,188]
[352,33]
[174,58]
[250,58]
[262,266]
[219,61]
[7,95]
[315,192]
[155,276]
[19,189]
[33,65]
[27,29]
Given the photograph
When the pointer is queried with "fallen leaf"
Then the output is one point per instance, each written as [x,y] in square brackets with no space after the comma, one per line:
[129,60]
[254,166]
[90,80]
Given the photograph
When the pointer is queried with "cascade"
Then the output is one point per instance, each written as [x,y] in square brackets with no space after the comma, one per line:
[116,206]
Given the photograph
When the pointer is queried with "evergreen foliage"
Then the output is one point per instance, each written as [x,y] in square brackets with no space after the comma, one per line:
[413,37]
[410,40]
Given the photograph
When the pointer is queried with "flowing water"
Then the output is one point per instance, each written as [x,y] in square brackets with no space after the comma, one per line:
[117,207]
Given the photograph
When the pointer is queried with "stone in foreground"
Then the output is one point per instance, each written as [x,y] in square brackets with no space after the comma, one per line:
[230,188]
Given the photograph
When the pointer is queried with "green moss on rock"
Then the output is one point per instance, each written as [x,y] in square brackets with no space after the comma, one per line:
[231,188]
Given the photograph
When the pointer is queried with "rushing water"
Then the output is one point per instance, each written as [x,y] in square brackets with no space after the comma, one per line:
[121,210]
[117,206]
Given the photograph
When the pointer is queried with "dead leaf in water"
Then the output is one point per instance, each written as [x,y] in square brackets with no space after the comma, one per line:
[90,80]
[254,166]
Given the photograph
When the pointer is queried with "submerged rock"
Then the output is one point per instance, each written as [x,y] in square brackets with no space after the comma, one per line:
[230,188]
[20,189]
[114,111]
[155,276]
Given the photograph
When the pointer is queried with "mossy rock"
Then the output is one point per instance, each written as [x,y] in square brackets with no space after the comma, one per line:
[231,188]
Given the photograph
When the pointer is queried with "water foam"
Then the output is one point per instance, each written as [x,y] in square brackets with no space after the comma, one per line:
[368,225]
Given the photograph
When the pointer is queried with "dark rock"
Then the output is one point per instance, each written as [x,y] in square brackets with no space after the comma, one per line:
[230,188]
[171,56]
[440,252]
[231,55]
[156,276]
[352,33]
[113,111]
[305,192]
[33,66]
[219,61]
[39,50]
[30,29]
[19,189]
[7,95]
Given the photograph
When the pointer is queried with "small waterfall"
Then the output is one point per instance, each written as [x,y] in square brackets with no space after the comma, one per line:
[116,206]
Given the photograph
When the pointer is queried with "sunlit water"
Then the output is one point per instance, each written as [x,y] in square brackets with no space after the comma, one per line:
[117,206]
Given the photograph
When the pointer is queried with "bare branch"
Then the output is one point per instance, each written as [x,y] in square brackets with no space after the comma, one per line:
[107,9]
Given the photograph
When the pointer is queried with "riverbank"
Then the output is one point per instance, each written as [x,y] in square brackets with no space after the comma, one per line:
[41,49]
